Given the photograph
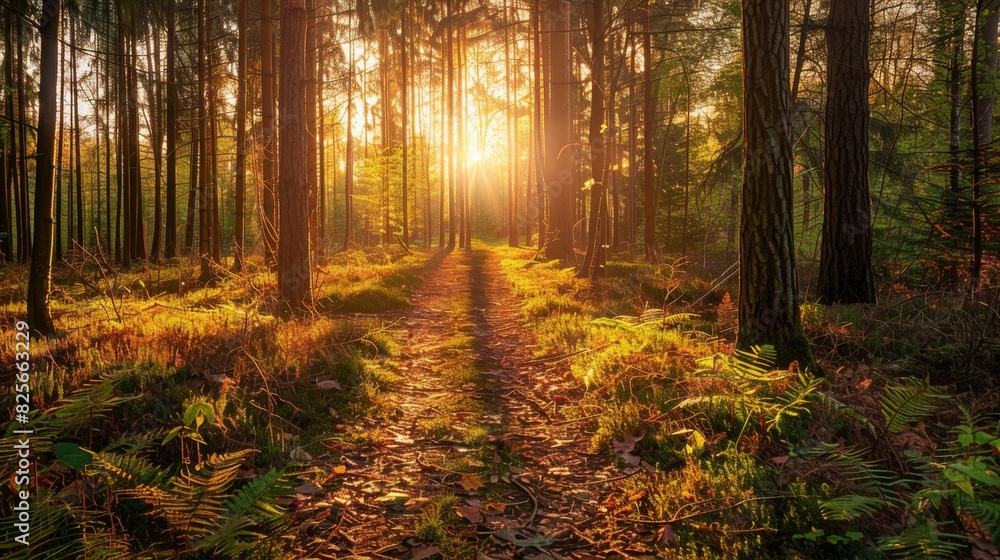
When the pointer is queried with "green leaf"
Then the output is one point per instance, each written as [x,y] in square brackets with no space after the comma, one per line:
[960,480]
[198,413]
[72,455]
[975,471]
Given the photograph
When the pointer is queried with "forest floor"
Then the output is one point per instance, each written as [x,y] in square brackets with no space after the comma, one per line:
[479,432]
[482,404]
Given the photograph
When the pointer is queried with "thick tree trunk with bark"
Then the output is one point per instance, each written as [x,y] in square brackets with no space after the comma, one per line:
[984,72]
[40,275]
[845,268]
[768,304]
[293,243]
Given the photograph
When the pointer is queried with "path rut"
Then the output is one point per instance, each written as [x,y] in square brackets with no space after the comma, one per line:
[480,418]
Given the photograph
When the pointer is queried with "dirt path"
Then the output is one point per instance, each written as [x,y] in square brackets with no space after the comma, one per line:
[478,459]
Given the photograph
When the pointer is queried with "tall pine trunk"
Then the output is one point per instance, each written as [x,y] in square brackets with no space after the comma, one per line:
[592,265]
[984,72]
[845,269]
[268,219]
[40,275]
[560,177]
[170,242]
[241,137]
[768,303]
[293,243]
[649,197]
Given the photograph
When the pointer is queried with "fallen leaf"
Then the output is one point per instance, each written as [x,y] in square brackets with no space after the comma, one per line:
[299,454]
[424,551]
[470,513]
[416,504]
[666,535]
[518,538]
[340,469]
[322,515]
[627,443]
[308,488]
[393,498]
[470,482]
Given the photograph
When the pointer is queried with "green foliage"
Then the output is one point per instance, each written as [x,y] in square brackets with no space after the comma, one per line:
[747,385]
[908,401]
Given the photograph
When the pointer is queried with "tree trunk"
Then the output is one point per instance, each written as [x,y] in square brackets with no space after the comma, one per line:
[155,94]
[845,268]
[955,101]
[312,169]
[349,157]
[450,48]
[40,276]
[77,131]
[60,143]
[598,206]
[170,245]
[404,117]
[768,304]
[561,179]
[23,203]
[8,151]
[135,166]
[193,182]
[239,208]
[984,71]
[268,220]
[537,113]
[204,180]
[293,243]
[648,134]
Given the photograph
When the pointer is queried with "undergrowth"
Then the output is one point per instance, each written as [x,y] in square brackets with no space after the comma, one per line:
[174,419]
[885,457]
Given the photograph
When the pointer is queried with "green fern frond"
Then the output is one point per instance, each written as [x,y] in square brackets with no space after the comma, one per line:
[252,505]
[850,506]
[833,407]
[908,401]
[796,400]
[54,532]
[924,541]
[88,404]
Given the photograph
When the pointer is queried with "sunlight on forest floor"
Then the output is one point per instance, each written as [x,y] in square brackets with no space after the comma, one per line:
[431,394]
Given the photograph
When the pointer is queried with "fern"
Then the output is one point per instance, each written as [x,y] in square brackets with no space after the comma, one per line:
[908,401]
[924,541]
[796,400]
[251,505]
[54,531]
[87,405]
[649,317]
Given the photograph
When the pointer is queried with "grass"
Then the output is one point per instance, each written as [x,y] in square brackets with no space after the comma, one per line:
[276,388]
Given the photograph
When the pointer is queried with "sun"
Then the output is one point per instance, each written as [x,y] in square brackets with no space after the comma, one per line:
[475,156]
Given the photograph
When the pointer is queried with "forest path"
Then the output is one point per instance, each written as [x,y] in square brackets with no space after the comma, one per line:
[477,460]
